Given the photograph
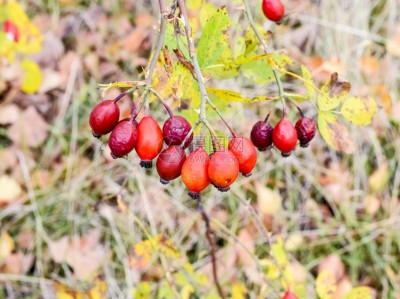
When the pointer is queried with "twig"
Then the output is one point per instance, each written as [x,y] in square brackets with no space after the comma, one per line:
[265,48]
[208,234]
[192,54]
[160,44]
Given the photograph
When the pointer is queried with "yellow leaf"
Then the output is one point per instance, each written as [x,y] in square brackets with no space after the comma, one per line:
[278,251]
[239,291]
[233,96]
[359,111]
[32,76]
[99,290]
[325,285]
[9,189]
[166,247]
[64,292]
[359,293]
[308,82]
[140,255]
[187,291]
[334,133]
[6,246]
[333,93]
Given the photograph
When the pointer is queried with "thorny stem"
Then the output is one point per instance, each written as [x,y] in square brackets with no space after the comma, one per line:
[160,43]
[265,48]
[208,234]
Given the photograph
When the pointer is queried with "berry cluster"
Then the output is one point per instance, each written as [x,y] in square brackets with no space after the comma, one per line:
[11,31]
[284,136]
[273,10]
[198,170]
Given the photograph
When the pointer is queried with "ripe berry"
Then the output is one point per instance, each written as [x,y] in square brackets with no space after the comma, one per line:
[175,130]
[273,10]
[11,30]
[261,135]
[289,295]
[223,169]
[104,117]
[284,137]
[195,172]
[305,128]
[150,141]
[123,138]
[246,154]
[169,163]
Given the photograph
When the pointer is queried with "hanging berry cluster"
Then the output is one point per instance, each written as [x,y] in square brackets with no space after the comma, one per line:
[284,136]
[198,169]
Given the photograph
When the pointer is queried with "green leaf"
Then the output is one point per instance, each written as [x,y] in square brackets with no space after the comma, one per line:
[32,76]
[308,82]
[359,293]
[359,111]
[333,93]
[232,96]
[176,41]
[278,251]
[206,12]
[214,43]
[334,133]
[325,285]
[260,70]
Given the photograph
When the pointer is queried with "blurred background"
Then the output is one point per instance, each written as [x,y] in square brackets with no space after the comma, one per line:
[77,224]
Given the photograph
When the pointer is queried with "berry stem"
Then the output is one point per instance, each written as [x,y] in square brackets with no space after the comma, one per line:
[158,96]
[208,234]
[192,54]
[133,89]
[221,117]
[265,48]
[160,43]
[190,133]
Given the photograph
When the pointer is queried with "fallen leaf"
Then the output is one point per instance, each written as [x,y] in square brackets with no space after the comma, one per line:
[369,64]
[9,114]
[26,239]
[9,189]
[6,246]
[13,264]
[372,204]
[344,286]
[393,44]
[378,179]
[31,129]
[333,264]
[325,285]
[269,202]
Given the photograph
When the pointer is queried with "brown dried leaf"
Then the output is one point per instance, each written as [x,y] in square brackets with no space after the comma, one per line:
[30,130]
[26,239]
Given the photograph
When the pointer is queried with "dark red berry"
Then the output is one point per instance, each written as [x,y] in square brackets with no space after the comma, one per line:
[305,128]
[284,137]
[11,30]
[223,169]
[195,172]
[261,135]
[104,117]
[273,10]
[175,130]
[246,154]
[123,138]
[290,295]
[150,141]
[169,163]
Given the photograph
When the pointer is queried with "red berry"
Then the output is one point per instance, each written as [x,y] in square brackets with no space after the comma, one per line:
[284,136]
[169,163]
[223,169]
[261,135]
[246,154]
[104,117]
[195,172]
[273,10]
[11,30]
[305,128]
[150,141]
[175,130]
[123,138]
[289,295]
